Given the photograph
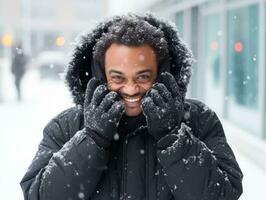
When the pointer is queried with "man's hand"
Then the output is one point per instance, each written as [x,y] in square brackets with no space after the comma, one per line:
[102,110]
[163,106]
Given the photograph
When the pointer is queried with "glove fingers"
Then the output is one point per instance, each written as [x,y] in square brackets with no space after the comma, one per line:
[91,86]
[157,98]
[148,106]
[116,111]
[108,101]
[163,91]
[99,94]
[169,81]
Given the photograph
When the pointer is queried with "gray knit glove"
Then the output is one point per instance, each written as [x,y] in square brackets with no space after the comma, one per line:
[102,110]
[163,106]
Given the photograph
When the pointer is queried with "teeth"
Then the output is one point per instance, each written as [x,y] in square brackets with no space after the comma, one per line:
[132,100]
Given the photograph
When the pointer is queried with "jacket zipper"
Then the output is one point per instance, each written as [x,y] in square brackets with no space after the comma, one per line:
[147,166]
[124,164]
[124,170]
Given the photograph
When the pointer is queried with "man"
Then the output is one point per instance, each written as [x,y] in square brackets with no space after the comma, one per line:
[18,68]
[132,133]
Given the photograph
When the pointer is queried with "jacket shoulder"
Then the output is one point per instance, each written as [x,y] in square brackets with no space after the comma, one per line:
[64,125]
[203,120]
[196,105]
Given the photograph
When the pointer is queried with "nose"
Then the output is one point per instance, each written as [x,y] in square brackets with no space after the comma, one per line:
[131,88]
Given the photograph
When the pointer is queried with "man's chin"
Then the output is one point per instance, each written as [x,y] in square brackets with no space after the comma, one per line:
[133,112]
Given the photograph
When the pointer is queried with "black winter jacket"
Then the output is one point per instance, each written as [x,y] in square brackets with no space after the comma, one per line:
[70,165]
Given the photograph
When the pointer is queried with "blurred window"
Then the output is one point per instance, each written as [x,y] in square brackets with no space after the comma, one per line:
[243,51]
[45,10]
[211,2]
[242,67]
[1,51]
[212,60]
[50,38]
[180,23]
[264,75]
[1,46]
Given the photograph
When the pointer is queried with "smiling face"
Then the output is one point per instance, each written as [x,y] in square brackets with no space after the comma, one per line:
[130,71]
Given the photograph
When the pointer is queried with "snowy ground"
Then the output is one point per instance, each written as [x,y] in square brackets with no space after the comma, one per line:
[21,131]
[22,124]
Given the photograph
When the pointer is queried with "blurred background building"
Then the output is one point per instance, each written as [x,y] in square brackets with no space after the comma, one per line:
[227,38]
[46,25]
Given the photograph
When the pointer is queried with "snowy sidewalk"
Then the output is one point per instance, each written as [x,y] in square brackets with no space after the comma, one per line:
[254,179]
[22,124]
[250,154]
[21,131]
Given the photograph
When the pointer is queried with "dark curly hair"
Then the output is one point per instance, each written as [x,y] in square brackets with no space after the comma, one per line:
[132,30]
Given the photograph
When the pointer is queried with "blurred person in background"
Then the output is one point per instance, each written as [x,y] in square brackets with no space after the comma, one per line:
[18,67]
[133,134]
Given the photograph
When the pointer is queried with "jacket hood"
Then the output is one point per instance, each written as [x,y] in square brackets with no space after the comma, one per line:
[79,70]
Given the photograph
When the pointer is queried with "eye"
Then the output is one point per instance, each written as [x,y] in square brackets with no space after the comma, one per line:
[117,79]
[143,78]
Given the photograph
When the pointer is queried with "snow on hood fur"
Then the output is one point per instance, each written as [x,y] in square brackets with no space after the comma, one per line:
[79,72]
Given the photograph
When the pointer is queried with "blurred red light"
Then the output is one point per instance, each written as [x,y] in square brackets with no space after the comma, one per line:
[214,45]
[239,47]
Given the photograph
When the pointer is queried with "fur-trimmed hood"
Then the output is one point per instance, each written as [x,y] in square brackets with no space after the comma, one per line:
[79,70]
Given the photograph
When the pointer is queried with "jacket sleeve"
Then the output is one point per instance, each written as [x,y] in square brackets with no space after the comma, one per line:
[202,167]
[64,169]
